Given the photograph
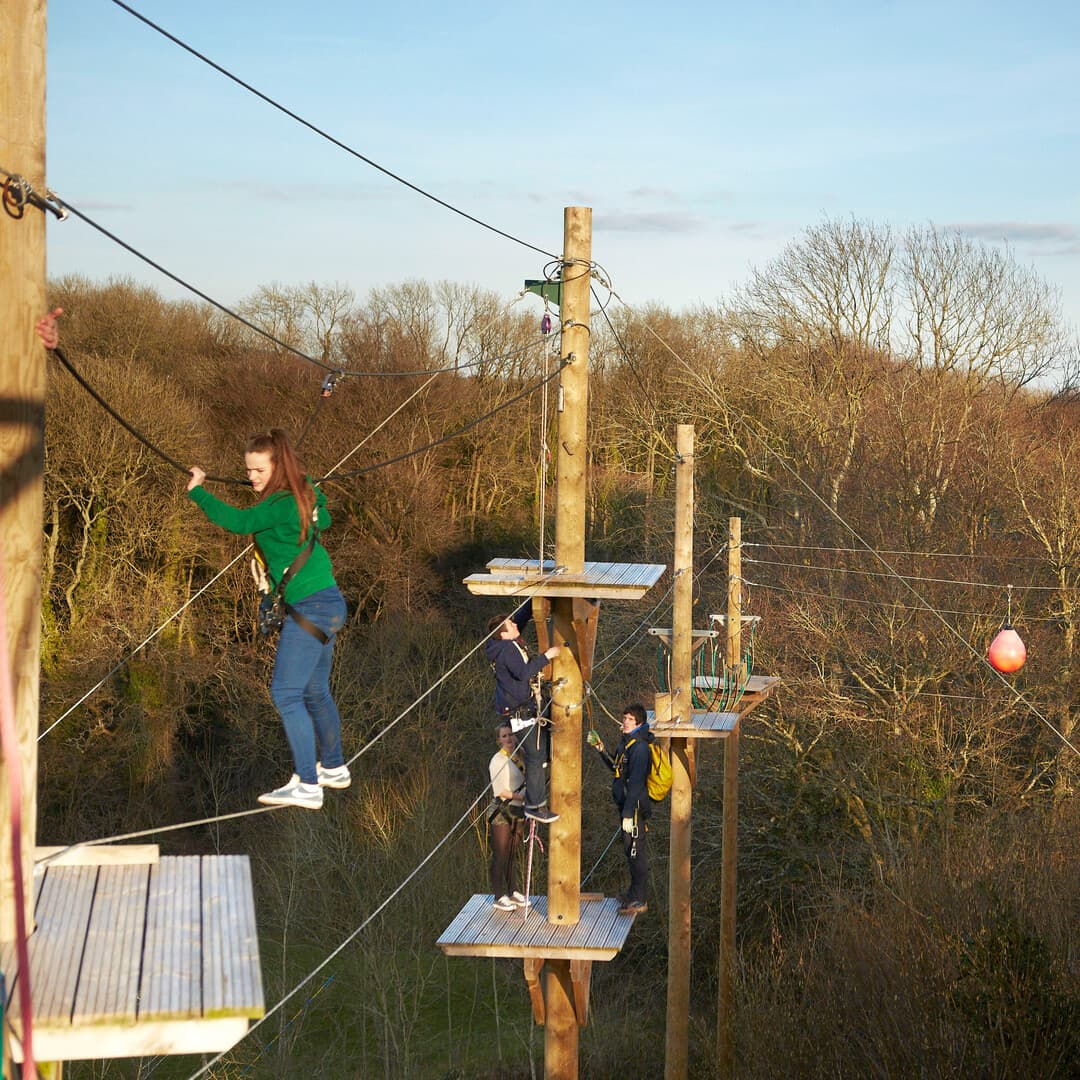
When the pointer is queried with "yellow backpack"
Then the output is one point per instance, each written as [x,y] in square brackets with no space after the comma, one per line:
[659,781]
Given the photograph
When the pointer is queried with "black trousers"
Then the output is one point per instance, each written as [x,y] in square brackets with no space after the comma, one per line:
[536,749]
[636,849]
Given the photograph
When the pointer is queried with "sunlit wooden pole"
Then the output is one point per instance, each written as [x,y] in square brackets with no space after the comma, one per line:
[22,404]
[725,1019]
[682,636]
[564,861]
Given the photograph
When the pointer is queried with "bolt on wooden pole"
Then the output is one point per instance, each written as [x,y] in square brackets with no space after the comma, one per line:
[22,393]
[725,1018]
[564,860]
[682,636]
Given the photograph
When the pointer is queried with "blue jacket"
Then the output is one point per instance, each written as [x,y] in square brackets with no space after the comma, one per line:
[633,760]
[512,672]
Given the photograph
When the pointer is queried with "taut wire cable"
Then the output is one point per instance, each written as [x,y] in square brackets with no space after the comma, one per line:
[226,310]
[525,591]
[382,423]
[870,548]
[326,135]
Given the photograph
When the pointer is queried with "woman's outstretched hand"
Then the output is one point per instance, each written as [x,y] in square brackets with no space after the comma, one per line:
[47,329]
[197,477]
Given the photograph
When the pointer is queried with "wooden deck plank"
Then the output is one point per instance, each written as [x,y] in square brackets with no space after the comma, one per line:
[248,993]
[133,1040]
[56,946]
[89,945]
[108,982]
[230,944]
[171,984]
[98,855]
[9,954]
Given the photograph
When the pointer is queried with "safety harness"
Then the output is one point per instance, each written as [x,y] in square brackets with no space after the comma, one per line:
[272,606]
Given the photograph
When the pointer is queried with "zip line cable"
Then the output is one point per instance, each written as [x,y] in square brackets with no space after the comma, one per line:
[891,605]
[453,434]
[342,476]
[744,420]
[905,577]
[350,372]
[60,355]
[374,431]
[330,138]
[899,551]
[524,591]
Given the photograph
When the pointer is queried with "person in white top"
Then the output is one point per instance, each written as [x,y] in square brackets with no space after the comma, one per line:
[506,817]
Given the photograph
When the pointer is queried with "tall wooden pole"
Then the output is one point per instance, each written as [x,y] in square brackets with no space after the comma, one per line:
[682,635]
[725,1019]
[564,860]
[22,415]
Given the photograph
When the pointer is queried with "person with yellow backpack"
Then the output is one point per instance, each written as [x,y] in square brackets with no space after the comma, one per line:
[632,765]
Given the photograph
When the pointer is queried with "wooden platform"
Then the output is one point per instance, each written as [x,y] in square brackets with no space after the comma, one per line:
[131,960]
[715,725]
[480,930]
[702,725]
[598,581]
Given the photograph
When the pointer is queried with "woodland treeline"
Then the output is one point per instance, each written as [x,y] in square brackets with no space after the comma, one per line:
[909,875]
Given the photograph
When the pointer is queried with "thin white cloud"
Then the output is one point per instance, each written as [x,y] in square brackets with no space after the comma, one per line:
[1047,238]
[656,221]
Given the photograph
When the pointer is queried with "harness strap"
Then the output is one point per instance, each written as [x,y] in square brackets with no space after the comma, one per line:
[306,624]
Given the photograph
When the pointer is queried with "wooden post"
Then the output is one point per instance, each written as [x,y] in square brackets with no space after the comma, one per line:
[22,414]
[564,859]
[682,636]
[725,1018]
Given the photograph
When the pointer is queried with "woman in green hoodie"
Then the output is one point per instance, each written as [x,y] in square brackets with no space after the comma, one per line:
[281,524]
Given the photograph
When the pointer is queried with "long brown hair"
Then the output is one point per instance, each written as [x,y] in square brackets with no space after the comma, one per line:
[288,473]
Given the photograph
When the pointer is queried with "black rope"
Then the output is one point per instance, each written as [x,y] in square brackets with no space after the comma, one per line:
[62,357]
[326,135]
[476,362]
[131,429]
[453,434]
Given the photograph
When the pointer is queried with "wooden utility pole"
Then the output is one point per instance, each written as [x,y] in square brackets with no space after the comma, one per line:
[725,1019]
[564,861]
[682,634]
[22,415]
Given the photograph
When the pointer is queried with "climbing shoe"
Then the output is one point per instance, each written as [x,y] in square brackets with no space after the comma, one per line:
[294,793]
[338,778]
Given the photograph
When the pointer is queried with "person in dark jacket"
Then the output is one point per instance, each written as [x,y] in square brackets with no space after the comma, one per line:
[515,700]
[629,789]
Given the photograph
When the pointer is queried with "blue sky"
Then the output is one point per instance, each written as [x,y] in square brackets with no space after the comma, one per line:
[704,136]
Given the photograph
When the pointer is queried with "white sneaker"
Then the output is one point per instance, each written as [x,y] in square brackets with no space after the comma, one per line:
[338,778]
[504,903]
[294,793]
[519,900]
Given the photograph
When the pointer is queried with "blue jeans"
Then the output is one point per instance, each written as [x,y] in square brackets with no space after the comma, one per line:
[300,688]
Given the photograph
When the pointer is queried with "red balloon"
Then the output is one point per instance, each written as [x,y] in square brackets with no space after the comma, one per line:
[1007,651]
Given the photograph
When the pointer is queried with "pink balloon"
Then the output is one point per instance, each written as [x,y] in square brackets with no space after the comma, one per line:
[1007,651]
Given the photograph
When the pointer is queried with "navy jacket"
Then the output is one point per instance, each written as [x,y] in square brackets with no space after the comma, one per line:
[512,673]
[629,789]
